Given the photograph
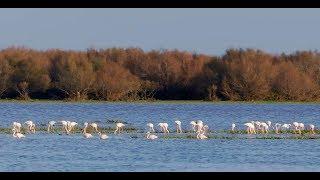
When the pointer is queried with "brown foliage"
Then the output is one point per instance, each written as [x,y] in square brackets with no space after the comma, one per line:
[131,74]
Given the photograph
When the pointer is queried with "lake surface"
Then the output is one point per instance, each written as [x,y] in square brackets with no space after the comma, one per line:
[53,152]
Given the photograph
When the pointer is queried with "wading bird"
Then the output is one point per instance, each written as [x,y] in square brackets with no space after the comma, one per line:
[31,126]
[250,128]
[94,126]
[103,136]
[265,127]
[151,136]
[295,126]
[311,127]
[17,126]
[233,126]
[71,125]
[85,134]
[119,127]
[200,135]
[50,126]
[193,124]
[17,134]
[199,126]
[164,127]
[150,125]
[277,126]
[65,126]
[178,126]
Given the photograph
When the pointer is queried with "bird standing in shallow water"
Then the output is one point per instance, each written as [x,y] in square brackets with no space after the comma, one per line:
[151,136]
[119,127]
[150,125]
[17,134]
[193,124]
[233,126]
[178,126]
[85,134]
[50,126]
[311,127]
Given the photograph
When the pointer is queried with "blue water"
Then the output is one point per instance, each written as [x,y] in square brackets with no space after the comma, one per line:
[53,152]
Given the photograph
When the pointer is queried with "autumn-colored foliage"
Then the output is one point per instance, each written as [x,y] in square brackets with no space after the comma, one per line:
[133,74]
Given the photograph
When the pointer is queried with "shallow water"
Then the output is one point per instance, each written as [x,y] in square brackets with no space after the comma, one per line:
[52,152]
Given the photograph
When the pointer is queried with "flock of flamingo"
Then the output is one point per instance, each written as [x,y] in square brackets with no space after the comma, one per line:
[197,126]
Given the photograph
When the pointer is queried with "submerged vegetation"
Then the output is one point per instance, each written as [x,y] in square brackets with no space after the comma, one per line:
[131,74]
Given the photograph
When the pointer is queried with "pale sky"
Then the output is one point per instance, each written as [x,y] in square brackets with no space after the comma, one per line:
[209,31]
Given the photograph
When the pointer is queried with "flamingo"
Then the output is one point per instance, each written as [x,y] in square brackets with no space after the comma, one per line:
[205,128]
[265,127]
[269,123]
[151,136]
[31,126]
[193,124]
[233,126]
[311,126]
[71,125]
[65,126]
[200,135]
[150,125]
[119,127]
[178,124]
[85,134]
[17,126]
[295,126]
[50,126]
[164,127]
[250,127]
[103,136]
[199,125]
[95,126]
[17,134]
[258,124]
[277,127]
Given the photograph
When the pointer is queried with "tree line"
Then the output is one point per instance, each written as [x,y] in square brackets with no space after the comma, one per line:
[132,74]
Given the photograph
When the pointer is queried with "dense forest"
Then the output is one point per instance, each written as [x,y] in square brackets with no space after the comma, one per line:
[132,74]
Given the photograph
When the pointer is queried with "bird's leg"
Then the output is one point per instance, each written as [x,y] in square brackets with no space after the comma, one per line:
[48,128]
[115,132]
[248,132]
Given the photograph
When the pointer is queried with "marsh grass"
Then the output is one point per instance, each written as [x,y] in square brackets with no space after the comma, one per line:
[222,134]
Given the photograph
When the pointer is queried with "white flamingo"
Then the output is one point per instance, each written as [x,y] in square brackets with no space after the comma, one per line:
[103,136]
[17,126]
[151,136]
[85,134]
[295,126]
[193,124]
[71,125]
[233,126]
[31,126]
[150,125]
[94,126]
[178,126]
[119,127]
[17,134]
[250,128]
[200,135]
[50,126]
[285,127]
[199,125]
[269,123]
[265,127]
[311,127]
[164,127]
[277,126]
[65,126]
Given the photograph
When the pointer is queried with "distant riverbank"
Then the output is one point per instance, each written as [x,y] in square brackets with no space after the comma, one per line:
[157,101]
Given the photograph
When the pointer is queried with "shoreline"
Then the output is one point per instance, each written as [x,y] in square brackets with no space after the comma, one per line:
[154,102]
